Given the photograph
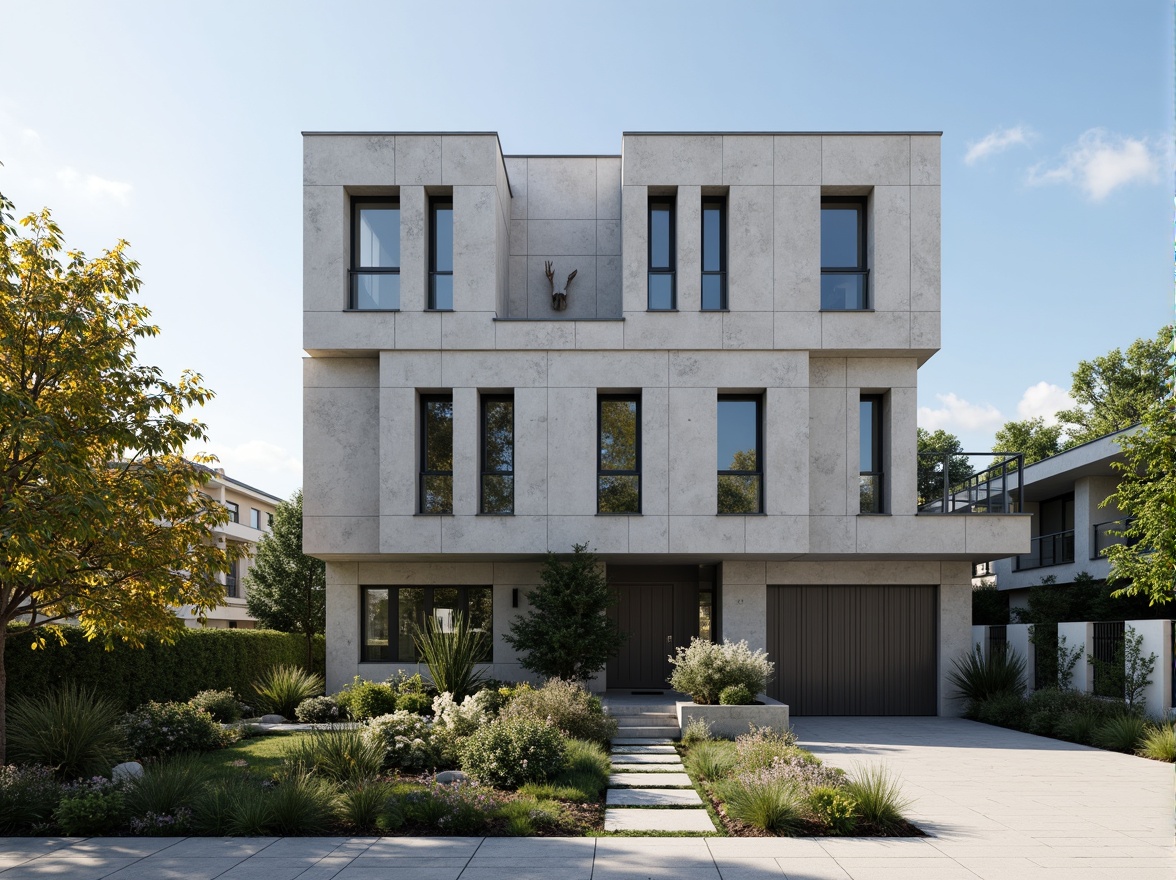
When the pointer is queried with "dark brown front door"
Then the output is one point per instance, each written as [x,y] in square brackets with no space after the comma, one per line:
[646,613]
[854,650]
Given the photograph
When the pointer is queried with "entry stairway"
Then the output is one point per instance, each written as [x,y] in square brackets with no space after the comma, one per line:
[647,773]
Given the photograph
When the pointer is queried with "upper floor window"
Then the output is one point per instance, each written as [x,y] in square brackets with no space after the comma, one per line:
[662,296]
[269,521]
[714,253]
[441,253]
[436,487]
[497,454]
[231,588]
[390,616]
[255,518]
[375,253]
[870,481]
[234,511]
[740,446]
[844,276]
[618,474]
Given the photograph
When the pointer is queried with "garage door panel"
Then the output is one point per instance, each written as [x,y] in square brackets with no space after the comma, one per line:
[854,650]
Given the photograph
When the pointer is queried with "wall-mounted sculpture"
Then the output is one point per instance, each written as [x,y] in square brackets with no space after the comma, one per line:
[559,298]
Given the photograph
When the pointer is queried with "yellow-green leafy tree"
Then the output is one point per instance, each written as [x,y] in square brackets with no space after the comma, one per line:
[101,520]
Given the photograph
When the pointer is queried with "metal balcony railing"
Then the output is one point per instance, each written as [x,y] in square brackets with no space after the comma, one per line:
[949,483]
[1104,536]
[1046,550]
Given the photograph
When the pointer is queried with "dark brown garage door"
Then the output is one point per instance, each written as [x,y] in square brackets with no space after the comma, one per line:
[853,650]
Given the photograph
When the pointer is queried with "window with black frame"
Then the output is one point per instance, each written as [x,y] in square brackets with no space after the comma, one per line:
[662,295]
[375,254]
[436,489]
[714,253]
[497,495]
[844,276]
[870,481]
[390,617]
[234,511]
[441,253]
[740,448]
[618,478]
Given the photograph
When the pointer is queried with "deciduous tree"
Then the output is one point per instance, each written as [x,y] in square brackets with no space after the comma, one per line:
[1032,437]
[100,517]
[286,590]
[938,449]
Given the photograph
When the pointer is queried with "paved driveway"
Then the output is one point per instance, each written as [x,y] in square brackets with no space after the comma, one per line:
[997,804]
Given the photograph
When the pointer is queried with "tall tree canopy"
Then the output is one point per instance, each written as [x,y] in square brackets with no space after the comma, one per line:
[286,590]
[100,517]
[1031,437]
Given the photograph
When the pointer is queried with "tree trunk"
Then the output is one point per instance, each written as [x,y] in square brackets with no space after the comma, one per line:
[3,698]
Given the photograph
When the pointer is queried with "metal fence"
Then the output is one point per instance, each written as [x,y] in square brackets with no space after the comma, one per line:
[1108,656]
[998,640]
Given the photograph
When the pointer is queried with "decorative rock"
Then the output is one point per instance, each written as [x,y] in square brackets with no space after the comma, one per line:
[128,770]
[272,719]
[449,777]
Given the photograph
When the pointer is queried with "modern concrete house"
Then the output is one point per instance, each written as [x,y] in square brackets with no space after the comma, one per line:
[251,517]
[722,406]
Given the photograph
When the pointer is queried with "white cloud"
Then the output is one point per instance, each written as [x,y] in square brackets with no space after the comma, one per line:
[958,414]
[1043,399]
[997,141]
[1100,162]
[94,186]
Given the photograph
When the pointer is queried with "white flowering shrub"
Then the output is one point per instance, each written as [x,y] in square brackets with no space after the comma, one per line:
[462,719]
[405,738]
[156,730]
[704,669]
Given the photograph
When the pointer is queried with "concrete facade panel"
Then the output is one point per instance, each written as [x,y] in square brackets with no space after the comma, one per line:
[516,171]
[608,292]
[748,330]
[655,450]
[572,439]
[747,160]
[693,160]
[562,237]
[828,467]
[865,330]
[418,159]
[786,442]
[707,534]
[415,533]
[750,245]
[324,248]
[797,160]
[469,160]
[634,245]
[925,160]
[881,160]
[776,534]
[743,614]
[890,257]
[349,160]
[925,256]
[608,188]
[414,248]
[797,249]
[600,334]
[798,331]
[688,263]
[530,462]
[693,452]
[561,188]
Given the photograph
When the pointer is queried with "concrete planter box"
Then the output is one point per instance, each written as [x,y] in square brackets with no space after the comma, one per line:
[730,721]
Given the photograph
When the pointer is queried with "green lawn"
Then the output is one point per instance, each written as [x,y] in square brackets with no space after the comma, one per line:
[263,754]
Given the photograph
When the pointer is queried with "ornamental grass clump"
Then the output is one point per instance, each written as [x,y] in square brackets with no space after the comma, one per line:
[1159,743]
[977,678]
[166,789]
[452,654]
[1122,733]
[764,801]
[712,760]
[340,755]
[282,688]
[71,729]
[704,669]
[879,796]
[760,747]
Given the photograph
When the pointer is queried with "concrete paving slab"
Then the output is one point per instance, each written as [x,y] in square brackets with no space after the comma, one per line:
[642,741]
[643,750]
[671,758]
[647,768]
[652,797]
[650,780]
[67,869]
[630,819]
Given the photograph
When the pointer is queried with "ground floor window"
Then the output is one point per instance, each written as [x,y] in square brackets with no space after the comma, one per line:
[390,615]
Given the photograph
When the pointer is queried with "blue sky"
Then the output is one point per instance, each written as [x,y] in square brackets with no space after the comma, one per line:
[176,126]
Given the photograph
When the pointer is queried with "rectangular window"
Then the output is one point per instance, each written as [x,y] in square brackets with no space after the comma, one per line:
[714,253]
[255,518]
[234,511]
[375,253]
[231,580]
[844,277]
[870,484]
[662,296]
[390,617]
[436,453]
[741,469]
[269,522]
[441,253]
[497,454]
[618,471]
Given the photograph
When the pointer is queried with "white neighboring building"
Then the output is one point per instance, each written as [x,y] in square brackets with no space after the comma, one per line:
[724,411]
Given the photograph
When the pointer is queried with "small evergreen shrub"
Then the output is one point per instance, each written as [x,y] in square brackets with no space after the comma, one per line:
[281,689]
[1078,727]
[510,753]
[566,704]
[28,797]
[834,809]
[156,730]
[703,669]
[223,706]
[91,809]
[417,703]
[70,729]
[1004,709]
[462,719]
[320,710]
[697,730]
[404,740]
[366,699]
[736,695]
[1122,733]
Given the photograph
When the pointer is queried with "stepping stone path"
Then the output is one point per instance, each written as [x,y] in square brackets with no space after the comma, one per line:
[647,772]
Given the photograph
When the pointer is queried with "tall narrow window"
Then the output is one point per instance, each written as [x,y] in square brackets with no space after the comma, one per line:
[375,641]
[441,253]
[662,295]
[231,588]
[618,477]
[375,253]
[741,470]
[254,518]
[870,483]
[714,253]
[497,454]
[234,511]
[436,453]
[844,277]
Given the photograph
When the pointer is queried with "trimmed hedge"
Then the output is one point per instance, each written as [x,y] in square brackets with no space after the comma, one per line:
[199,659]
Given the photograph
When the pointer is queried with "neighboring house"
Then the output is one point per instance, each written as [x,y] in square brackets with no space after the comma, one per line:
[1064,494]
[724,411]
[251,517]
